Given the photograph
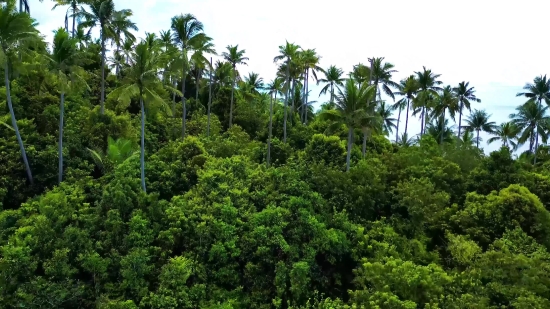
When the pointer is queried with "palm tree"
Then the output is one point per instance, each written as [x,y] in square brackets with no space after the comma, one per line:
[290,52]
[102,13]
[445,101]
[333,78]
[408,88]
[428,85]
[440,131]
[387,122]
[72,11]
[350,110]
[186,31]
[117,152]
[405,141]
[507,133]
[311,64]
[65,58]
[16,30]
[479,121]
[255,81]
[200,48]
[465,95]
[467,139]
[538,91]
[531,118]
[274,88]
[381,77]
[120,30]
[141,81]
[234,56]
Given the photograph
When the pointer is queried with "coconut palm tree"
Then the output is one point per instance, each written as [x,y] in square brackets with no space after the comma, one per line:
[440,130]
[102,14]
[478,121]
[198,58]
[310,61]
[531,118]
[255,81]
[408,88]
[235,57]
[465,95]
[120,30]
[428,85]
[17,29]
[333,78]
[288,52]
[350,110]
[65,58]
[72,11]
[445,101]
[386,113]
[186,31]
[405,140]
[117,152]
[381,77]
[274,88]
[141,81]
[507,133]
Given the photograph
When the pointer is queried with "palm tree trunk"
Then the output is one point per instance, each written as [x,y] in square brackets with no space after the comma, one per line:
[350,141]
[331,93]
[286,99]
[102,102]
[232,94]
[303,98]
[197,86]
[536,145]
[307,97]
[477,139]
[407,119]
[460,119]
[364,142]
[270,130]
[74,19]
[174,84]
[422,122]
[61,114]
[209,99]
[293,98]
[15,127]
[184,113]
[142,154]
[398,122]
[443,127]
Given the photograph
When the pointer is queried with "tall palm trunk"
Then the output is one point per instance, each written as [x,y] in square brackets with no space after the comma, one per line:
[331,93]
[14,125]
[460,119]
[142,154]
[232,94]
[174,84]
[74,9]
[407,119]
[102,102]
[422,122]
[477,139]
[286,99]
[184,113]
[293,98]
[537,135]
[442,127]
[61,114]
[307,97]
[209,98]
[197,86]
[350,141]
[398,122]
[270,130]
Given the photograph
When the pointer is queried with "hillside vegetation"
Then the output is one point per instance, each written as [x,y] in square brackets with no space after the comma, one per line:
[148,177]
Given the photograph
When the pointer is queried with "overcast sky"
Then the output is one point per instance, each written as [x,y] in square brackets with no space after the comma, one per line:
[492,44]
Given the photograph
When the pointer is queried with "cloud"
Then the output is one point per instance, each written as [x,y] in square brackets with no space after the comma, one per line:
[493,44]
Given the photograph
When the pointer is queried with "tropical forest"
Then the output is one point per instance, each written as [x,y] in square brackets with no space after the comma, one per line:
[148,171]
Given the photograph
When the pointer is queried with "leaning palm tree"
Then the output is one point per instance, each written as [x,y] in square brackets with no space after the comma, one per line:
[531,118]
[465,95]
[408,88]
[479,121]
[507,133]
[65,58]
[290,53]
[235,57]
[17,29]
[141,81]
[274,88]
[333,78]
[186,31]
[350,110]
[102,13]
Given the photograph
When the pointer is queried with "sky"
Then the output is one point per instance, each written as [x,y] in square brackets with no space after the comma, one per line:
[490,43]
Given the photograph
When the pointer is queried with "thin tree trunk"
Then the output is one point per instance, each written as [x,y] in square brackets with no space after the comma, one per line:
[270,130]
[142,154]
[184,113]
[442,127]
[197,86]
[304,98]
[74,20]
[350,140]
[209,99]
[407,119]
[232,94]
[477,139]
[331,93]
[460,119]
[61,114]
[364,143]
[174,84]
[307,98]
[398,122]
[536,145]
[15,127]
[422,122]
[286,99]
[293,98]
[102,110]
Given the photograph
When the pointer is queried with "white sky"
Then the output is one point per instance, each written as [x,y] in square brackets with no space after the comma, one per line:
[492,44]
